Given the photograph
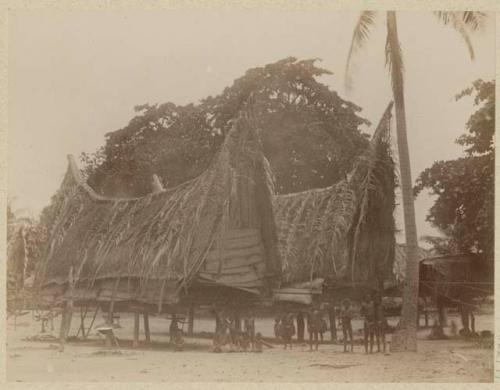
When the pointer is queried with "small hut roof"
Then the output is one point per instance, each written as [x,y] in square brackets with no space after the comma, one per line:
[458,277]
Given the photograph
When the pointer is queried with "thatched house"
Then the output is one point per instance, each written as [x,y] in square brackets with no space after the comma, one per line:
[212,238]
[223,237]
[456,281]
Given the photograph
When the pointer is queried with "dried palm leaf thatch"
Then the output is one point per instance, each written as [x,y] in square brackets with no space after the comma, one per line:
[344,232]
[217,229]
[372,235]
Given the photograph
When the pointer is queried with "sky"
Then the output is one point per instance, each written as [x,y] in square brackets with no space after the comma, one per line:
[74,76]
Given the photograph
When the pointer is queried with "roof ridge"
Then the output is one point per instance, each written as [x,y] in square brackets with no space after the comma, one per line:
[73,167]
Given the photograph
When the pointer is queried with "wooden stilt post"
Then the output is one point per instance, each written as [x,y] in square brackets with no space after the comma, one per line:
[191,321]
[418,317]
[85,335]
[426,313]
[83,315]
[146,328]
[237,317]
[67,313]
[333,322]
[110,338]
[135,343]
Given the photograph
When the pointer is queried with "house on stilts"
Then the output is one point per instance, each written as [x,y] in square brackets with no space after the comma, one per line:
[223,237]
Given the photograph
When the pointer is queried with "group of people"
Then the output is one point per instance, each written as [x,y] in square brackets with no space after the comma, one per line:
[374,323]
[229,332]
[371,311]
[284,327]
[239,334]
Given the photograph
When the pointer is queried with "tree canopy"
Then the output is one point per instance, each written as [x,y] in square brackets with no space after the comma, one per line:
[464,207]
[311,136]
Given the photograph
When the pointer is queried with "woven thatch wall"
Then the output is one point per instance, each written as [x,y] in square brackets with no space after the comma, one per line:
[151,249]
[344,233]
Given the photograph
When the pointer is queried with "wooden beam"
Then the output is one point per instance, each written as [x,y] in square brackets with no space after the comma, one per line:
[135,343]
[146,327]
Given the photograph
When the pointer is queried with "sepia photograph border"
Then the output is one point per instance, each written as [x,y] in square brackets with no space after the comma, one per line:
[331,5]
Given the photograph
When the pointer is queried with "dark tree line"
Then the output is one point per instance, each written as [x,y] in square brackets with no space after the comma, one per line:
[310,135]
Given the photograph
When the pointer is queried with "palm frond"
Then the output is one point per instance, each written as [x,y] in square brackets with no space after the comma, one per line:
[463,22]
[473,20]
[394,54]
[360,35]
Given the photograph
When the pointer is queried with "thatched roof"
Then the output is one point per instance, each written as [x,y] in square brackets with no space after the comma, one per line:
[226,228]
[216,229]
[344,232]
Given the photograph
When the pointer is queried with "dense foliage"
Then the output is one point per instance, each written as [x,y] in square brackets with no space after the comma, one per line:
[310,135]
[464,208]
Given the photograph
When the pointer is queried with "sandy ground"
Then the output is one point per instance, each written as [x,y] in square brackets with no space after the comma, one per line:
[40,361]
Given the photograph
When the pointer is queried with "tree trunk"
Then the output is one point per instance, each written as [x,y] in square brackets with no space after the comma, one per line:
[405,337]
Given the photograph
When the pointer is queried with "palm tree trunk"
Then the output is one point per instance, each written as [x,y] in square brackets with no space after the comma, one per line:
[404,339]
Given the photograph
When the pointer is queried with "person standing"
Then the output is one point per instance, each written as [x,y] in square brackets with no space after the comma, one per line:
[300,327]
[287,329]
[174,327]
[323,326]
[380,321]
[313,328]
[368,314]
[249,328]
[277,327]
[346,318]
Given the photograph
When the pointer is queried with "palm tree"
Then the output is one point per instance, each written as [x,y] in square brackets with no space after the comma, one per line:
[463,22]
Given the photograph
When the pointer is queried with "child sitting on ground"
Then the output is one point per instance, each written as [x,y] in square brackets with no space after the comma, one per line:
[258,342]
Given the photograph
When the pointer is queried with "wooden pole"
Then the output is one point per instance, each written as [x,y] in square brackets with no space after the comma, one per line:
[191,321]
[135,343]
[237,317]
[83,315]
[67,312]
[426,313]
[333,322]
[51,318]
[146,327]
[92,322]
